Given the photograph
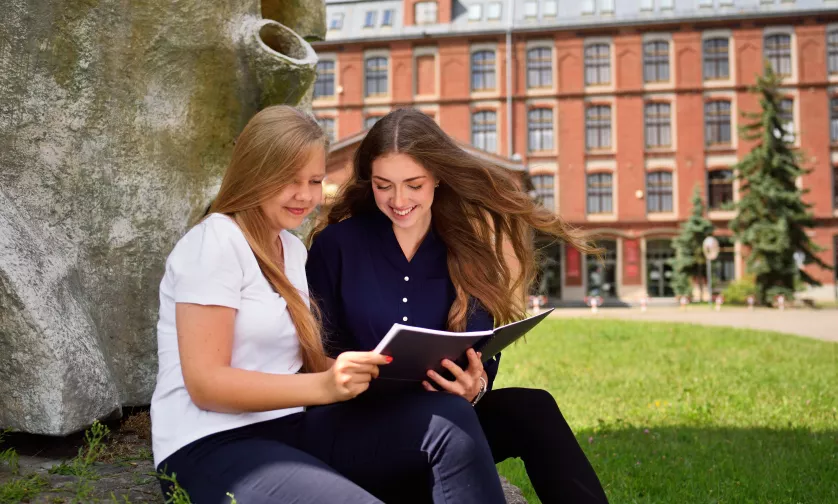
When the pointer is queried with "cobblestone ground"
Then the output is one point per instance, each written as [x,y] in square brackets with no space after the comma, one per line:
[123,474]
[812,323]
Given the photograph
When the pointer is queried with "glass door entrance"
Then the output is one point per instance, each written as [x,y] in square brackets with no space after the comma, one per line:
[602,276]
[658,269]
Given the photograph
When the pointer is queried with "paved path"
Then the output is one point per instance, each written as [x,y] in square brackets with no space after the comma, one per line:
[820,324]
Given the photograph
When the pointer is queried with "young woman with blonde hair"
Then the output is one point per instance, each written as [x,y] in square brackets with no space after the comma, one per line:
[427,235]
[241,357]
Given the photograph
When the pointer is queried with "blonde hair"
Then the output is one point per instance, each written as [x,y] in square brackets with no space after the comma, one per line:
[270,150]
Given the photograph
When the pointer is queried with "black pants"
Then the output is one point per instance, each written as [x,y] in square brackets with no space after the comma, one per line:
[361,451]
[527,423]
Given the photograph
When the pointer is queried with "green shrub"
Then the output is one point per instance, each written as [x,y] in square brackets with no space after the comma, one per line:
[737,292]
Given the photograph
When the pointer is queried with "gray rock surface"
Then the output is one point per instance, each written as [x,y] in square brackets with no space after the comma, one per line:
[116,121]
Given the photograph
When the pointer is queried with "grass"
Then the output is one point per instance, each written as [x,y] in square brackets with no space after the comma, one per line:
[674,413]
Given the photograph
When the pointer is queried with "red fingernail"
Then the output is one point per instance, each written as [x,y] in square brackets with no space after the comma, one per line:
[388,359]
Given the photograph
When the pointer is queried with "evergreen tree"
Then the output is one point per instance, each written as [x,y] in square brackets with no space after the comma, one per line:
[772,218]
[689,262]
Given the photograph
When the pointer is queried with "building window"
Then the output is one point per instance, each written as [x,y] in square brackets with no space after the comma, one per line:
[658,125]
[550,9]
[832,51]
[484,130]
[598,127]
[647,5]
[667,4]
[544,191]
[328,126]
[369,19]
[475,12]
[324,86]
[531,9]
[659,192]
[540,67]
[705,3]
[607,6]
[387,18]
[717,122]
[716,61]
[425,13]
[597,64]
[833,120]
[540,129]
[493,11]
[785,115]
[588,6]
[336,21]
[602,274]
[369,121]
[599,193]
[726,2]
[720,189]
[778,53]
[483,71]
[656,61]
[376,76]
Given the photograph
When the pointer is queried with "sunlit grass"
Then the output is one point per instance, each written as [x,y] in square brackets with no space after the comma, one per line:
[684,413]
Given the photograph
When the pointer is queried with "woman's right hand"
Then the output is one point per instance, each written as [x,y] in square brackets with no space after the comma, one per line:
[352,372]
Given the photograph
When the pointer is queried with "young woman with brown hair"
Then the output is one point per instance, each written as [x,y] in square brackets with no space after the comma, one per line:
[427,235]
[240,357]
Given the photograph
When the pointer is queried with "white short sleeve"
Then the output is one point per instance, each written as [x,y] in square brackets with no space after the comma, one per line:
[206,267]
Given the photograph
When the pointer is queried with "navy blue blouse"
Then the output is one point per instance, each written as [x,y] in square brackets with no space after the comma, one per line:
[363,284]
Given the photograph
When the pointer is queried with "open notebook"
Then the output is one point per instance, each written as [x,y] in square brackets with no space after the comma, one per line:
[416,350]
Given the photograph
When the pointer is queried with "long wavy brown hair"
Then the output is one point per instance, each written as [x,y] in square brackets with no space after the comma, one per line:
[268,153]
[477,209]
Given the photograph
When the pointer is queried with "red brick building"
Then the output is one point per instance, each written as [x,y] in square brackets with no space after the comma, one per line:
[617,110]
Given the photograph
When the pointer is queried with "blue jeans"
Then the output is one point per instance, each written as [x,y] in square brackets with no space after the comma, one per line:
[407,448]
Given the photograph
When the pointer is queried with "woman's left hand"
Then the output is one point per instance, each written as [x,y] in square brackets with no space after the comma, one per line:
[467,384]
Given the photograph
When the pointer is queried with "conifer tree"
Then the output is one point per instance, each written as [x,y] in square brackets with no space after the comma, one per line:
[772,218]
[689,263]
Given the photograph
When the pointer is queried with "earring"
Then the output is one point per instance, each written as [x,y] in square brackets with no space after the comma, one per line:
[437,185]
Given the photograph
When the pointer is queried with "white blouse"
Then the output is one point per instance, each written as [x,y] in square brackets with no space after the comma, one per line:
[213,265]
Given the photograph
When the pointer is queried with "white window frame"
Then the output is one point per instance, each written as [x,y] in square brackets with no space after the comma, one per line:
[786,30]
[378,53]
[419,8]
[475,12]
[490,11]
[530,9]
[659,37]
[553,10]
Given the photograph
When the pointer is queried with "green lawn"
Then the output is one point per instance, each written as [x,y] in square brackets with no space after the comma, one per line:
[678,413]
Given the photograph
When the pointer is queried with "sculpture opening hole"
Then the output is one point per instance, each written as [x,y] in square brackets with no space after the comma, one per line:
[282,40]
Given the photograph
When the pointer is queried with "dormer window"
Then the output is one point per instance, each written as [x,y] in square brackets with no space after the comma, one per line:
[426,13]
[336,21]
[475,12]
[387,18]
[369,19]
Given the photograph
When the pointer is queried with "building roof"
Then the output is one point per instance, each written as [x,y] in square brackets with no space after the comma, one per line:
[471,17]
[502,161]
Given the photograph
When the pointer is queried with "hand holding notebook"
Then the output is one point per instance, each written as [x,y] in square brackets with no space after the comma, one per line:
[415,350]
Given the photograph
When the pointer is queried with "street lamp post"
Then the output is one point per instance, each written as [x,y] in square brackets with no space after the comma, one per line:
[710,248]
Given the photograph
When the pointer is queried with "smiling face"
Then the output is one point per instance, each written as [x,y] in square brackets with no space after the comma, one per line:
[288,208]
[403,190]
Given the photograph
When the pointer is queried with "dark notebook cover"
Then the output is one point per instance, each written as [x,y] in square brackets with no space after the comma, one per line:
[416,350]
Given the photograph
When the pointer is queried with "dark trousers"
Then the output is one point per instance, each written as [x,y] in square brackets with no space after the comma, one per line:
[366,450]
[527,423]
